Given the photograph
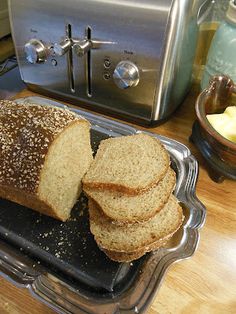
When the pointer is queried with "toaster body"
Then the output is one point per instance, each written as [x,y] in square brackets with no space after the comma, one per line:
[130,58]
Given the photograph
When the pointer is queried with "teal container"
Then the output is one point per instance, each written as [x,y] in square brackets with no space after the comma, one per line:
[221,57]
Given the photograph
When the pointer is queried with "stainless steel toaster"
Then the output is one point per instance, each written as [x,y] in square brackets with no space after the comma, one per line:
[131,58]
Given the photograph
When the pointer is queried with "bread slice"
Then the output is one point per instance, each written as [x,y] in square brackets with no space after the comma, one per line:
[44,153]
[128,257]
[130,209]
[128,164]
[132,238]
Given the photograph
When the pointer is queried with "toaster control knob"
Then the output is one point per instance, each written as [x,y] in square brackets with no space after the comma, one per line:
[62,48]
[35,51]
[126,74]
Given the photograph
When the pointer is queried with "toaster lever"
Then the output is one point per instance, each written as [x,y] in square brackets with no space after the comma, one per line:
[82,47]
[63,47]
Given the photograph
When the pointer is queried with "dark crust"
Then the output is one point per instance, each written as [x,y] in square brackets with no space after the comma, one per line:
[26,133]
[28,200]
[136,220]
[152,240]
[126,189]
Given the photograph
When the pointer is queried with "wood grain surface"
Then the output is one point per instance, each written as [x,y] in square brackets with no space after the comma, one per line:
[205,283]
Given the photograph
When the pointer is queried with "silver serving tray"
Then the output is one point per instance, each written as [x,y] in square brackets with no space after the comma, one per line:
[66,298]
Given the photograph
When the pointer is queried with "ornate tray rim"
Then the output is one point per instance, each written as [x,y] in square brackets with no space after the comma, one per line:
[63,298]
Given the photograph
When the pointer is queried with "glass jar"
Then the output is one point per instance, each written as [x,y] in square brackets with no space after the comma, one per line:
[221,56]
[211,14]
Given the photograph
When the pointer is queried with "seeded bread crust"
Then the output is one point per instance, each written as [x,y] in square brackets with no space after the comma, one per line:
[28,200]
[103,164]
[27,133]
[123,209]
[129,239]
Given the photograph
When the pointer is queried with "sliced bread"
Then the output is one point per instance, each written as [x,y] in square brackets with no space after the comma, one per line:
[123,209]
[131,256]
[128,164]
[131,238]
[44,153]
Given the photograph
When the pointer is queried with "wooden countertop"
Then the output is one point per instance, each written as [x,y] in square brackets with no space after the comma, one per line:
[205,283]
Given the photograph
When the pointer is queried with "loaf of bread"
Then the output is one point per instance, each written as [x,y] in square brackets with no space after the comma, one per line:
[138,238]
[117,160]
[124,209]
[44,153]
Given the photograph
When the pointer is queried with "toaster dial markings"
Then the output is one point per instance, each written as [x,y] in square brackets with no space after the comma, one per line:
[35,51]
[106,75]
[126,74]
[107,63]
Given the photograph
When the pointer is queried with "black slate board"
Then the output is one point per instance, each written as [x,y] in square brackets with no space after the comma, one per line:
[67,248]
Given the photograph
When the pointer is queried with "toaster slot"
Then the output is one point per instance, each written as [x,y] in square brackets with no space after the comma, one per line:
[88,67]
[70,61]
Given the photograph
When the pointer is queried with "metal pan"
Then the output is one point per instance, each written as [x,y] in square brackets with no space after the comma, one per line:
[60,262]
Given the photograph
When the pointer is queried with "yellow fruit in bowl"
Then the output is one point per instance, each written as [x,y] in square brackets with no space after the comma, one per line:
[225,123]
[231,111]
